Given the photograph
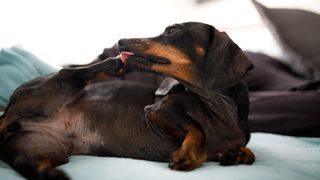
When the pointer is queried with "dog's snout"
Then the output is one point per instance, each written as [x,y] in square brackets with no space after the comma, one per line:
[123,42]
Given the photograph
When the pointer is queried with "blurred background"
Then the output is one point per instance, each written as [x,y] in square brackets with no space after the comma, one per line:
[76,31]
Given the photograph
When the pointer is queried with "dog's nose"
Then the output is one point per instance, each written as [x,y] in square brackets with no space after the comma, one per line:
[123,42]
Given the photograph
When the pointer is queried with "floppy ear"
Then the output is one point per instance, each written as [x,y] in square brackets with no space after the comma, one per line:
[226,64]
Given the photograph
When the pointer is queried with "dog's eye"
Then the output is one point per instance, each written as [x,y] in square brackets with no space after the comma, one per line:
[171,30]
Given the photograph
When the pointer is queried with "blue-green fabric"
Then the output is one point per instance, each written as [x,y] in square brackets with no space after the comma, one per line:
[277,158]
[16,67]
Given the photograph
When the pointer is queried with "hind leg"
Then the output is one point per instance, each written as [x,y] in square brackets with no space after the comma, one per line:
[239,155]
[37,158]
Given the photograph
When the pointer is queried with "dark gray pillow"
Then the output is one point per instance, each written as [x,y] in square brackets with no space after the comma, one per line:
[270,74]
[298,33]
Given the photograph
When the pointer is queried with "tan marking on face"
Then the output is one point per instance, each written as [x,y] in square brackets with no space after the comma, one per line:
[186,73]
[169,52]
[181,65]
[199,50]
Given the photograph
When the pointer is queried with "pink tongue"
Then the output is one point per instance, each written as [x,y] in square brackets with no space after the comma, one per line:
[125,55]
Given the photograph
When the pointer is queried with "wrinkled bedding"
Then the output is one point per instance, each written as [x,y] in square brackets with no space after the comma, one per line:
[277,157]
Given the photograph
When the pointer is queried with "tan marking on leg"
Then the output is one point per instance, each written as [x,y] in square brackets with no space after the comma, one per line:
[192,152]
[248,157]
[44,165]
[3,124]
[194,137]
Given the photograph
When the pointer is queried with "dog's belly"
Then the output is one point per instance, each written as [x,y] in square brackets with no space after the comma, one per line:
[114,123]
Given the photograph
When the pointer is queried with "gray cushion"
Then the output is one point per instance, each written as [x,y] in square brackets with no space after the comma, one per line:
[298,33]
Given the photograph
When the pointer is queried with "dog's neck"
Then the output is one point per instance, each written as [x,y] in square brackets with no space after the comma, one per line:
[221,105]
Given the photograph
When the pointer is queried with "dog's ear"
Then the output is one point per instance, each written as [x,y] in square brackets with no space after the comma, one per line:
[226,64]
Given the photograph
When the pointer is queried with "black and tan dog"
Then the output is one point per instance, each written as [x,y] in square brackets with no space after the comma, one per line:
[199,116]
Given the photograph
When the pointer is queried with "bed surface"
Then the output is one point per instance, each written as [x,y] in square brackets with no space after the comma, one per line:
[277,157]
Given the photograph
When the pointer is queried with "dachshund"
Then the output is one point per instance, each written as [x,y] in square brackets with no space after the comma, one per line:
[206,105]
[197,114]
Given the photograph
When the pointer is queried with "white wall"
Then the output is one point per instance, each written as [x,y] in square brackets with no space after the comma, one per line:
[76,31]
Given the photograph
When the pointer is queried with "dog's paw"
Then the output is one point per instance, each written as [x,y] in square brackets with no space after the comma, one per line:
[239,155]
[187,159]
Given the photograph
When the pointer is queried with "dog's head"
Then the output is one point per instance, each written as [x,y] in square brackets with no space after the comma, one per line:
[196,54]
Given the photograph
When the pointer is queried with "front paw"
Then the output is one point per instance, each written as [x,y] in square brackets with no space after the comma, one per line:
[235,156]
[187,158]
[117,67]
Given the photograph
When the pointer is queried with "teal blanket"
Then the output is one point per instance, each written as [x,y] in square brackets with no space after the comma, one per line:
[16,67]
[278,158]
